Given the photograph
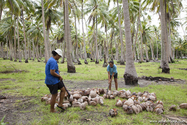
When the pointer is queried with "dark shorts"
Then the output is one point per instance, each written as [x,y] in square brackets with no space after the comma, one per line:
[115,76]
[54,88]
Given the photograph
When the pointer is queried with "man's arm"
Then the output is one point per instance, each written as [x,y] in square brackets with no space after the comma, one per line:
[112,76]
[108,76]
[53,73]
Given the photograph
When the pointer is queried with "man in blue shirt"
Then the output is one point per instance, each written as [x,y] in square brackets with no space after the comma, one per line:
[112,73]
[53,79]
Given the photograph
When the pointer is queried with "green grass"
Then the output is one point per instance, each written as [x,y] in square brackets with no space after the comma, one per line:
[32,84]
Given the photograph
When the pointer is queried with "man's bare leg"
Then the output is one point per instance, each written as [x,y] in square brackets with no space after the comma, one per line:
[53,100]
[116,83]
[62,94]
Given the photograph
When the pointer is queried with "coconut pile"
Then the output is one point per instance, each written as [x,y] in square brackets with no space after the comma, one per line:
[136,102]
[79,98]
[130,102]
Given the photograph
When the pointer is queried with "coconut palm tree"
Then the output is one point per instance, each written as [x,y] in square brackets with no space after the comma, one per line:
[51,15]
[70,66]
[44,33]
[130,74]
[164,58]
[85,53]
[96,10]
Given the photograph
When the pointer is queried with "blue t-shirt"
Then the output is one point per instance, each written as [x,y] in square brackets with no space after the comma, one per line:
[49,79]
[112,70]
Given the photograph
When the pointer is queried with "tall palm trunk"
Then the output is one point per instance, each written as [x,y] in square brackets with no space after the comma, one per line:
[7,47]
[2,53]
[130,74]
[10,47]
[136,37]
[76,47]
[33,50]
[106,42]
[97,55]
[64,48]
[105,59]
[111,44]
[169,42]
[44,34]
[26,57]
[105,48]
[70,66]
[37,51]
[85,53]
[141,50]
[29,48]
[15,55]
[116,45]
[164,61]
[152,53]
[122,60]
[19,52]
[47,40]
[146,51]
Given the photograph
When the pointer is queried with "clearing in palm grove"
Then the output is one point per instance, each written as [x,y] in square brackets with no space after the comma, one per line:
[93,62]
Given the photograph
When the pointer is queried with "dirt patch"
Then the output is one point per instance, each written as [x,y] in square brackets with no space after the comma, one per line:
[150,78]
[88,117]
[121,83]
[183,68]
[16,109]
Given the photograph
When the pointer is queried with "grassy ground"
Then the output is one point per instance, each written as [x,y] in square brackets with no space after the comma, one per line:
[31,84]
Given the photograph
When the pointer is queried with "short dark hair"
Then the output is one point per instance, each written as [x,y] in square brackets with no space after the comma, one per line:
[111,62]
[54,53]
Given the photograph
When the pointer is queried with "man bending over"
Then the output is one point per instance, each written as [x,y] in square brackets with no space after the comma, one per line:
[112,73]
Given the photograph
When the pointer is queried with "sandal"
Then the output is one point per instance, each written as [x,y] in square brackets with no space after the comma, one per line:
[62,108]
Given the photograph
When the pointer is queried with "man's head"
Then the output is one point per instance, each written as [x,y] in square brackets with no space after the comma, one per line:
[111,63]
[57,54]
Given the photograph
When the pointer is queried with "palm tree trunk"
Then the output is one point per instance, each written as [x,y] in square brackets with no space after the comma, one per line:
[64,48]
[121,37]
[97,55]
[111,45]
[173,52]
[1,44]
[85,54]
[134,46]
[37,52]
[7,46]
[130,74]
[146,51]
[33,49]
[164,61]
[48,43]
[70,66]
[15,58]
[117,51]
[44,34]
[141,50]
[169,42]
[19,53]
[10,47]
[152,53]
[76,47]
[26,58]
[105,60]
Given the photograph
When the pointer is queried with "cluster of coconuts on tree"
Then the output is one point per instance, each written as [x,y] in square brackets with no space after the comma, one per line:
[79,98]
